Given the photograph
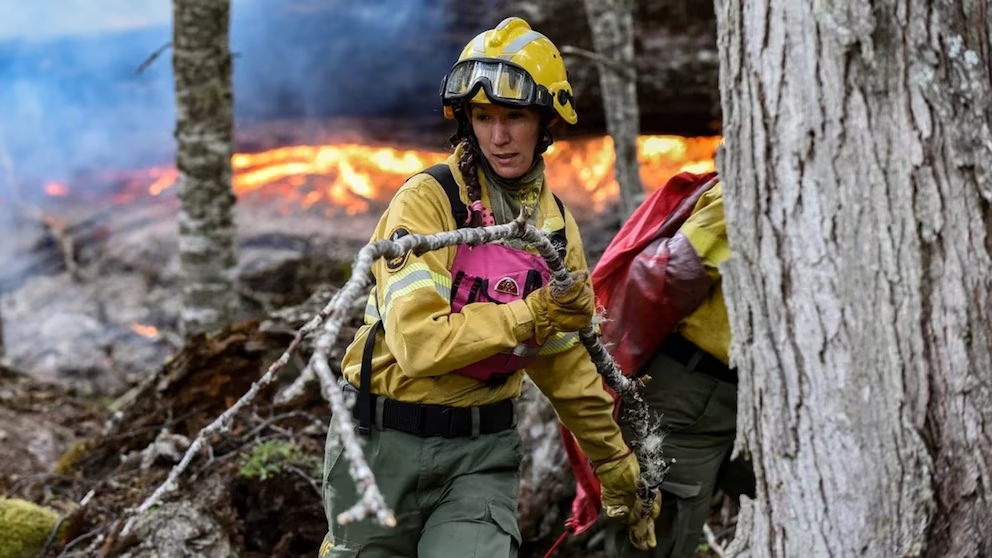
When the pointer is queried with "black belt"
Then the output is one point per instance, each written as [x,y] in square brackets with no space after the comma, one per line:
[682,351]
[441,420]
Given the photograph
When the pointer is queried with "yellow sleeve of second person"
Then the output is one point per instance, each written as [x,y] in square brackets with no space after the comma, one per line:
[706,230]
[424,336]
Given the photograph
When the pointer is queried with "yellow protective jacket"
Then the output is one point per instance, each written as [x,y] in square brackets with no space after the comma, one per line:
[424,341]
[706,229]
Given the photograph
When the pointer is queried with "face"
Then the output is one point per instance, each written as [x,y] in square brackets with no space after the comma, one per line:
[507,137]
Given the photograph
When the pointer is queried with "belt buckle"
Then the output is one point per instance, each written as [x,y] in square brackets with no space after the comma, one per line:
[436,421]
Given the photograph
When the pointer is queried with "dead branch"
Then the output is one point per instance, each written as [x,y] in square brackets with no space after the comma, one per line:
[713,543]
[625,70]
[60,232]
[330,319]
[152,57]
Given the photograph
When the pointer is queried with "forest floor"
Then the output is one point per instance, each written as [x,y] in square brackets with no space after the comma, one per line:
[99,397]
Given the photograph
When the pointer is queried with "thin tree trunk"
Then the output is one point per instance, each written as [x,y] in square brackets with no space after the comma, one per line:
[3,350]
[859,208]
[204,126]
[612,25]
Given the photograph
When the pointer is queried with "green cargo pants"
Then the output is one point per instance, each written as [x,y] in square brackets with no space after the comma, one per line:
[452,497]
[700,414]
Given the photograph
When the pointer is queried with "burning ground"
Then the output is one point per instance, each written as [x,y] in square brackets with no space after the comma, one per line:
[101,396]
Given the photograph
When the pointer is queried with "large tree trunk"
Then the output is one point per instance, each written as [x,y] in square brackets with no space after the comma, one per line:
[612,24]
[859,209]
[204,125]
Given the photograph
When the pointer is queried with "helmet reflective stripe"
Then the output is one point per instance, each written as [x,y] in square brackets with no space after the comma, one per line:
[478,46]
[504,24]
[520,42]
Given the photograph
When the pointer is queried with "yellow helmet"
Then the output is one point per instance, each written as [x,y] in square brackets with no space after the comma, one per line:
[510,65]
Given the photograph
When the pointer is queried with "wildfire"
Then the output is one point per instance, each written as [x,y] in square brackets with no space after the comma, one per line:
[143,330]
[56,189]
[350,177]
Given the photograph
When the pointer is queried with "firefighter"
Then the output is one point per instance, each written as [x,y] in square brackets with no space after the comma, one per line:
[448,334]
[692,388]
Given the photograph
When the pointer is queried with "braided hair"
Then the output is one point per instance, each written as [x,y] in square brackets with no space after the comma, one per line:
[468,166]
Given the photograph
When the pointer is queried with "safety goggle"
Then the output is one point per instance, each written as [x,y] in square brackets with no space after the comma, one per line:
[503,82]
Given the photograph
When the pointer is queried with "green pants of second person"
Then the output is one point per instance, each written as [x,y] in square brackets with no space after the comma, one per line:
[699,413]
[452,497]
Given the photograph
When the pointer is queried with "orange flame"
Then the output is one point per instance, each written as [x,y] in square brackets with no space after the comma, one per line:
[351,177]
[56,189]
[145,330]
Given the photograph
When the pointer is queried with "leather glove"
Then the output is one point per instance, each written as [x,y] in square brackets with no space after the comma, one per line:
[570,310]
[626,497]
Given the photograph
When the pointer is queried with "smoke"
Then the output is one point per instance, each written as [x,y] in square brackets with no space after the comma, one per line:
[72,101]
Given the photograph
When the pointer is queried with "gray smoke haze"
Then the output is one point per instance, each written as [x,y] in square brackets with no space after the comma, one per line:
[71,101]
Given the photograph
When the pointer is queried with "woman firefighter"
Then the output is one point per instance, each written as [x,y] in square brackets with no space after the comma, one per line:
[449,334]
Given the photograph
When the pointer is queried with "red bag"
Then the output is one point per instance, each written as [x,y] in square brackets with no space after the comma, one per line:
[631,295]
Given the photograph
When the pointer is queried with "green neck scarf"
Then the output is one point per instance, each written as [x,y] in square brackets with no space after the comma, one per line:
[506,196]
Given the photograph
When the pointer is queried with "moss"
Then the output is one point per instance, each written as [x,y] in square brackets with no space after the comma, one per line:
[68,461]
[24,527]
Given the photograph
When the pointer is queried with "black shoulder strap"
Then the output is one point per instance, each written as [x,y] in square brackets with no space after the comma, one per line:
[442,173]
[365,382]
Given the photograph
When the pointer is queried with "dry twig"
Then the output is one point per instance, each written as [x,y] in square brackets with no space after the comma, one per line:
[152,57]
[625,70]
[714,544]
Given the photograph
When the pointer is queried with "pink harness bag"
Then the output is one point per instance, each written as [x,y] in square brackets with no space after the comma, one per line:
[500,274]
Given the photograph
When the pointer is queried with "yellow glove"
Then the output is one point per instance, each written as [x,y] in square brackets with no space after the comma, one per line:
[626,497]
[570,310]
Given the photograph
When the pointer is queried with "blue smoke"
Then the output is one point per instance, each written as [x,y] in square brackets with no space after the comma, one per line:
[75,103]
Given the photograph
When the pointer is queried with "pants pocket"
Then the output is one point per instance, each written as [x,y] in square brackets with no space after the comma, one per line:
[679,396]
[506,520]
[471,529]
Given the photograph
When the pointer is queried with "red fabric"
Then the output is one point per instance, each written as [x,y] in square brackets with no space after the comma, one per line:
[653,219]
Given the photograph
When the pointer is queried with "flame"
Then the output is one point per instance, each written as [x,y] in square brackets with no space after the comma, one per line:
[56,189]
[352,177]
[143,330]
[164,179]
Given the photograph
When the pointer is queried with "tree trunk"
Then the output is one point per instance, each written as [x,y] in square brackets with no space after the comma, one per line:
[675,53]
[3,350]
[204,125]
[612,24]
[859,209]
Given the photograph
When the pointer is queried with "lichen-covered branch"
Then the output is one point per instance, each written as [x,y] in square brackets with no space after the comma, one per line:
[329,321]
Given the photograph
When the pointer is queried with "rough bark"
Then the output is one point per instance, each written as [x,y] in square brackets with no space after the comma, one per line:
[611,22]
[3,351]
[204,127]
[859,209]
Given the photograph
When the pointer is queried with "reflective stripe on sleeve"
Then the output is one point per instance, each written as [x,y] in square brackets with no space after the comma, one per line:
[413,277]
[559,343]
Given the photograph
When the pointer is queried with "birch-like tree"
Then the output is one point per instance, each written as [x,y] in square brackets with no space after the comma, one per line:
[3,350]
[201,61]
[612,25]
[858,192]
